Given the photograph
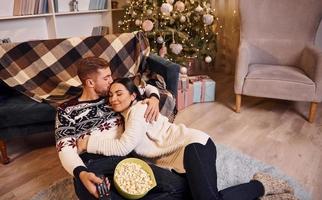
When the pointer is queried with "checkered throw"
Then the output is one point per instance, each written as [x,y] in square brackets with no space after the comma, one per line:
[46,69]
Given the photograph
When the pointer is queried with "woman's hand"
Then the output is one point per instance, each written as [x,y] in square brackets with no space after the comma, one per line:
[152,112]
[82,144]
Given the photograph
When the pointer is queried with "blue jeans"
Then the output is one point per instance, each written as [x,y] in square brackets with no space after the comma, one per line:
[200,165]
[170,186]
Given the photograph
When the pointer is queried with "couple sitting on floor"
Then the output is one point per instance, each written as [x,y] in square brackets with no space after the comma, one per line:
[94,133]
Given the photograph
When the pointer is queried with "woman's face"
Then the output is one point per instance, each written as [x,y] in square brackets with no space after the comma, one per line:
[119,97]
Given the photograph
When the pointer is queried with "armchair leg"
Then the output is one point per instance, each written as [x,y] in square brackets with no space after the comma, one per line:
[3,149]
[238,103]
[312,113]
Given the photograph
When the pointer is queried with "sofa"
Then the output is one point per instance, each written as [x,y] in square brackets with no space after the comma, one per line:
[22,115]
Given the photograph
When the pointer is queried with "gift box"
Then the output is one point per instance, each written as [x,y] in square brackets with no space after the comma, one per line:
[203,88]
[185,93]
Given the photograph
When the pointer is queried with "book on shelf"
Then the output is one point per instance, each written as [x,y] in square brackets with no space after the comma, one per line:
[56,5]
[30,7]
[100,30]
[97,4]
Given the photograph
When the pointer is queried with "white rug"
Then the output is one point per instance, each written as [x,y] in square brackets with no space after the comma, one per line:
[233,168]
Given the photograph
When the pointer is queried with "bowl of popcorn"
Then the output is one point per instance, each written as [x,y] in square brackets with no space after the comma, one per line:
[133,178]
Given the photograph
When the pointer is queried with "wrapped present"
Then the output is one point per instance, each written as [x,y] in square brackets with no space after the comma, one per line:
[185,93]
[203,88]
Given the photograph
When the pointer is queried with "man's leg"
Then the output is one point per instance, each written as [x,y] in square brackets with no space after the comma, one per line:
[170,186]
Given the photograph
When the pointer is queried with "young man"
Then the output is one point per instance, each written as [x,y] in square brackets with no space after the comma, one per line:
[90,111]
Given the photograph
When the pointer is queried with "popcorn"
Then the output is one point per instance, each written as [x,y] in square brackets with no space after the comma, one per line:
[133,179]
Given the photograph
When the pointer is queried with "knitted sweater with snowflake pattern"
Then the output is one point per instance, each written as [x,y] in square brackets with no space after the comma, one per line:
[76,119]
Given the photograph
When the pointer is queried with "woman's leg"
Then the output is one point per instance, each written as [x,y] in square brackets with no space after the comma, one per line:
[246,191]
[200,165]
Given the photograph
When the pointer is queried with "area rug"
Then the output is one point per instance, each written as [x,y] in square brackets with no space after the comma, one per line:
[233,168]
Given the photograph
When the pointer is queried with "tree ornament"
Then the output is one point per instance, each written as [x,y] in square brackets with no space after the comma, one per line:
[160,40]
[138,22]
[170,1]
[176,48]
[120,22]
[208,19]
[147,25]
[183,70]
[192,1]
[149,12]
[183,19]
[166,8]
[208,59]
[198,8]
[163,51]
[179,6]
[134,14]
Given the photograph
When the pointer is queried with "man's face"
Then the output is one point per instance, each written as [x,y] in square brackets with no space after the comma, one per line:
[102,81]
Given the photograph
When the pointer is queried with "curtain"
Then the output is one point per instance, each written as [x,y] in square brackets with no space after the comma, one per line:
[228,34]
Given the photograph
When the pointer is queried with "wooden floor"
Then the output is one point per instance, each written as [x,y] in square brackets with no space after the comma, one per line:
[273,131]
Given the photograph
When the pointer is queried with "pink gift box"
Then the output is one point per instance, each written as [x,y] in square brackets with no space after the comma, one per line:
[185,93]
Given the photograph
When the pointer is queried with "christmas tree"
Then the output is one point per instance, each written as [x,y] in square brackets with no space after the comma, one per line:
[177,29]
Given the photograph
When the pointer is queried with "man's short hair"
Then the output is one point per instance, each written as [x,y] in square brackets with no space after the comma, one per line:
[89,66]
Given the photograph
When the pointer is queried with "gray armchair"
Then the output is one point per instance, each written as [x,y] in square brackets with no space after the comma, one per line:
[277,58]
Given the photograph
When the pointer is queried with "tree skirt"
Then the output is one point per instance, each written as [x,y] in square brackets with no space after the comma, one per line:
[233,168]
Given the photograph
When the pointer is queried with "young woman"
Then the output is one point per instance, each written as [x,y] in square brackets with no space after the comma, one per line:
[185,150]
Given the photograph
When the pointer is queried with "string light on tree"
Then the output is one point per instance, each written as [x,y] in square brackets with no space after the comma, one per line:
[176,29]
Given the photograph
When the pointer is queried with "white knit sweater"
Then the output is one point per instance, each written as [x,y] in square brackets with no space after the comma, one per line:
[161,141]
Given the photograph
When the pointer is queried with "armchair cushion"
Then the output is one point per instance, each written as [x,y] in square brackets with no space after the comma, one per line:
[282,82]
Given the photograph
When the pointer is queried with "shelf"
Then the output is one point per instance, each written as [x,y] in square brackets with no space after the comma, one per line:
[26,16]
[82,12]
[118,9]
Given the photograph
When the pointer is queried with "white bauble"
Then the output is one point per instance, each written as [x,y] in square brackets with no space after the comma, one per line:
[170,1]
[147,25]
[208,19]
[149,12]
[166,8]
[183,19]
[176,48]
[120,22]
[160,40]
[138,22]
[208,59]
[183,70]
[179,6]
[198,9]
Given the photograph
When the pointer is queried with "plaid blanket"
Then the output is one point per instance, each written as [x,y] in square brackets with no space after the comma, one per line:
[46,69]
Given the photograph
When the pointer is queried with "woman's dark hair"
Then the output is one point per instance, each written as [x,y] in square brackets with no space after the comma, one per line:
[130,86]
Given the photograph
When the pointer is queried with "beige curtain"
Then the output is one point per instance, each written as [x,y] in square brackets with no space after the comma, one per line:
[228,34]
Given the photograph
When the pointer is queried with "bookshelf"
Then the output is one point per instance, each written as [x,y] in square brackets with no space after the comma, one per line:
[60,24]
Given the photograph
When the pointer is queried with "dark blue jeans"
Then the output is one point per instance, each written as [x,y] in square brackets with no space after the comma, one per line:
[170,186]
[200,165]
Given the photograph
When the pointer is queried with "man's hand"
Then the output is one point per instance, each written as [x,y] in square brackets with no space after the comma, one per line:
[82,145]
[90,180]
[152,112]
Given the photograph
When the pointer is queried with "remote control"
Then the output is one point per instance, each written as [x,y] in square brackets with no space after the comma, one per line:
[103,188]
